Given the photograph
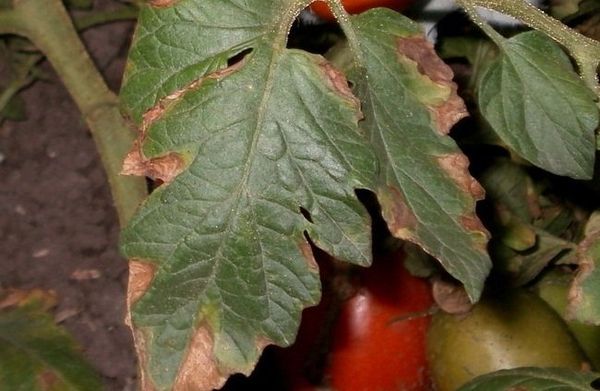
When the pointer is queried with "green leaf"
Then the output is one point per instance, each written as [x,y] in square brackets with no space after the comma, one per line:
[176,45]
[533,379]
[410,103]
[538,106]
[584,296]
[260,146]
[36,354]
[258,142]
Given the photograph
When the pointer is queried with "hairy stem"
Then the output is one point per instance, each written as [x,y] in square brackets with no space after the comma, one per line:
[584,50]
[47,24]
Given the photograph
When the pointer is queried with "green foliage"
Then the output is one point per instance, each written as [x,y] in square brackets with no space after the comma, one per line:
[427,195]
[538,379]
[259,151]
[38,355]
[540,107]
[530,230]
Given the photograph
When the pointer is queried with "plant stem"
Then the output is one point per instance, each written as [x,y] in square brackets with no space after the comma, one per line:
[342,17]
[20,81]
[47,24]
[9,23]
[101,17]
[584,50]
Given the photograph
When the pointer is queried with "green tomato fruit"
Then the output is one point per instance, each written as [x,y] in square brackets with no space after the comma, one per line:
[553,288]
[516,330]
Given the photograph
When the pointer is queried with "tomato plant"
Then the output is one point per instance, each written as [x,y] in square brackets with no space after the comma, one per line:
[358,6]
[263,149]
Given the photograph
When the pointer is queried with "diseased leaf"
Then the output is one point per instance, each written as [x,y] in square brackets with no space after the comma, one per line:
[533,379]
[260,146]
[176,45]
[36,354]
[243,150]
[584,296]
[539,107]
[410,103]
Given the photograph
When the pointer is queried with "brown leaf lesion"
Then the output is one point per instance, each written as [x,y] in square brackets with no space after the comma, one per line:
[422,52]
[451,297]
[399,216]
[162,3]
[308,255]
[456,165]
[164,168]
[199,370]
[141,274]
[337,82]
[585,267]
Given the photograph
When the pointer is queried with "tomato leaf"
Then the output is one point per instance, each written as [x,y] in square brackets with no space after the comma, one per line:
[530,379]
[36,354]
[247,148]
[410,103]
[538,106]
[259,146]
[584,296]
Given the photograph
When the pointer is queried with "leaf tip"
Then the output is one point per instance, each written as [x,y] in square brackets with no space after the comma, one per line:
[199,370]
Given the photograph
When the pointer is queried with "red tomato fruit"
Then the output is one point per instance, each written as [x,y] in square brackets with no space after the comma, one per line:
[380,338]
[358,6]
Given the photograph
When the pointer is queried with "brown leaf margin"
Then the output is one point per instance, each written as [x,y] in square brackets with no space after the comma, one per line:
[422,52]
[165,168]
[587,250]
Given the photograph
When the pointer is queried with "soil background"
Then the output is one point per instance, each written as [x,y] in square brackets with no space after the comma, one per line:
[58,228]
